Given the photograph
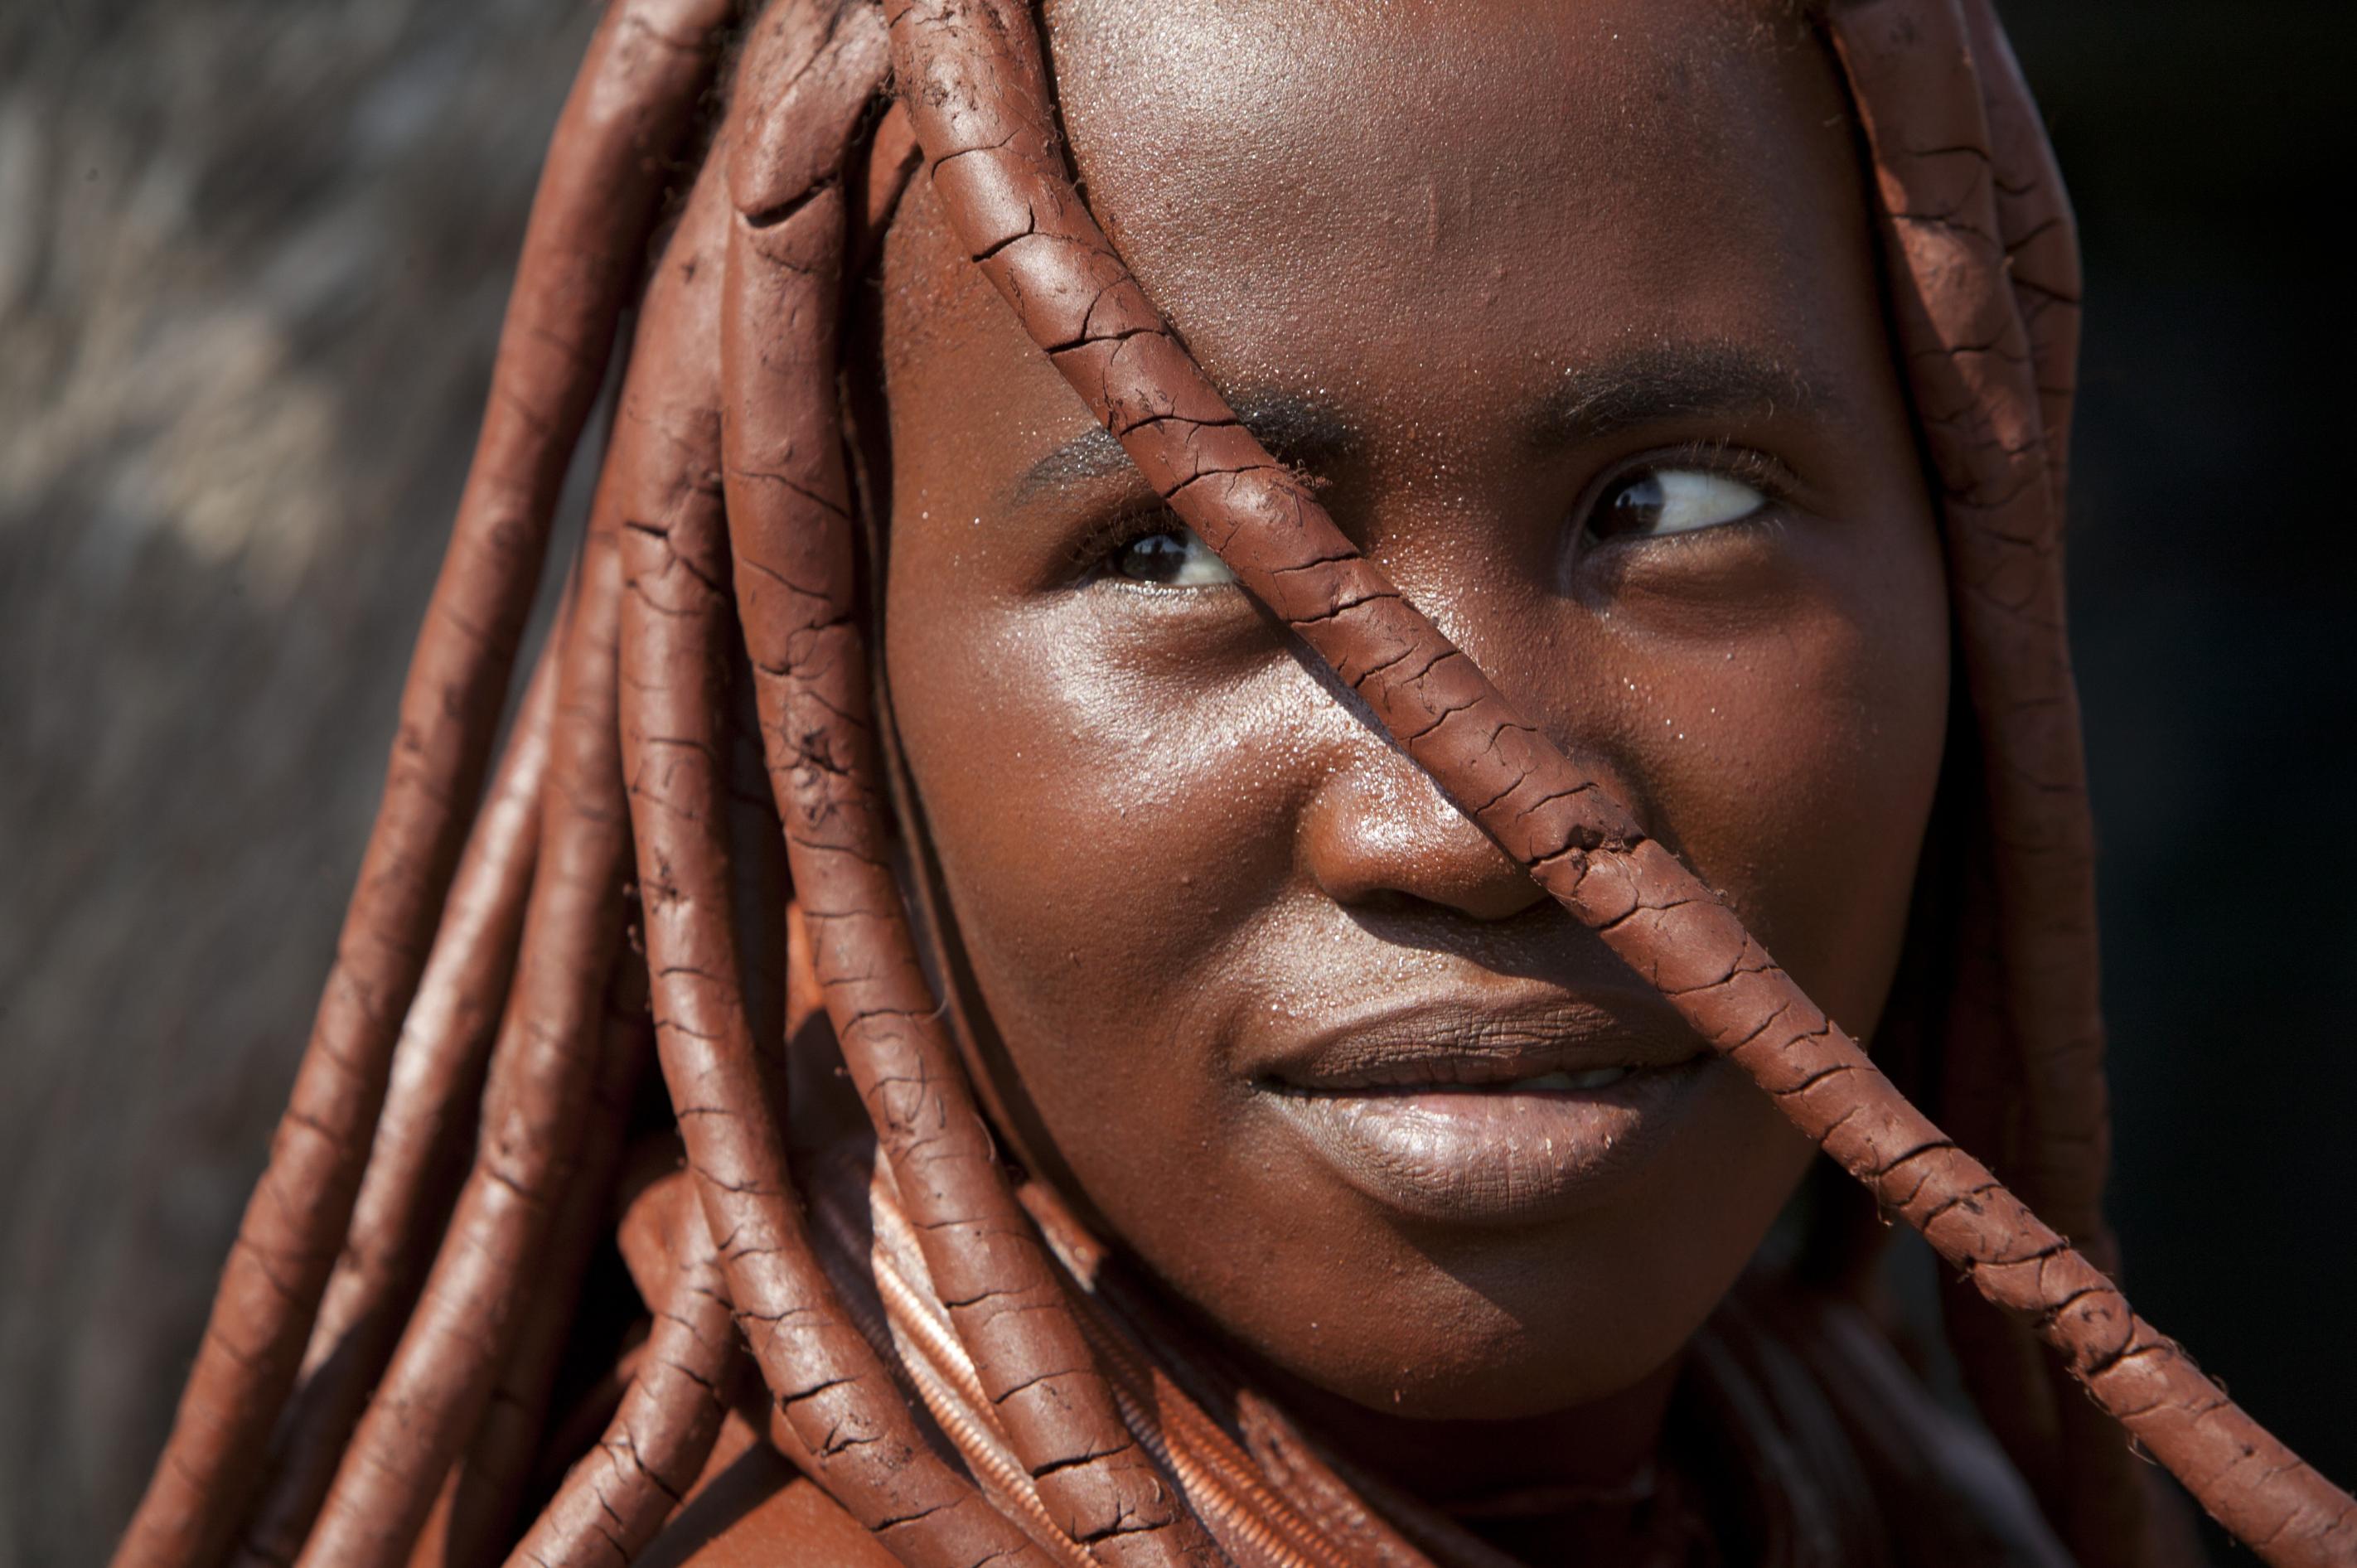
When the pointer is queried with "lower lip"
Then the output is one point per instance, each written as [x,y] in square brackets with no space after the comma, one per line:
[1494,1157]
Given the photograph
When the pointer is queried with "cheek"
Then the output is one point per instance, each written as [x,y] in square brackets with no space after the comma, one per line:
[1793,761]
[1110,810]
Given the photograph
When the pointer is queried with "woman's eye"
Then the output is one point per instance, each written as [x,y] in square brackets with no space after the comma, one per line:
[1672,501]
[1173,558]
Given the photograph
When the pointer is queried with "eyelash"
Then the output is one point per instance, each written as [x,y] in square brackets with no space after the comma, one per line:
[1093,552]
[1745,465]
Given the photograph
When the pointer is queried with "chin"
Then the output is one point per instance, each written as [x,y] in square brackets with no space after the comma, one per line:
[1501,1343]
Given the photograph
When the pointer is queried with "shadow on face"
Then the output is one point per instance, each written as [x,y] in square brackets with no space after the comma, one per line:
[1572,313]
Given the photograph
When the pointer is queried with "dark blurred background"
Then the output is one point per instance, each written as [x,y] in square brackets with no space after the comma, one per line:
[251,258]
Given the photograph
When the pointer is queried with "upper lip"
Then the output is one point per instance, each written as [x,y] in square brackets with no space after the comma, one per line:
[1458,1041]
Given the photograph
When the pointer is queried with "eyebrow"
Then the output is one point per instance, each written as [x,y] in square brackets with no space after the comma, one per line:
[1668,380]
[1648,384]
[1295,429]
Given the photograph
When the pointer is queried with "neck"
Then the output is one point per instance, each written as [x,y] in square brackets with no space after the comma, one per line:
[1596,1453]
[1581,1484]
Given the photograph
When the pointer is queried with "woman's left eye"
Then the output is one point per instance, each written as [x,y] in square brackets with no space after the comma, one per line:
[1672,501]
[1171,557]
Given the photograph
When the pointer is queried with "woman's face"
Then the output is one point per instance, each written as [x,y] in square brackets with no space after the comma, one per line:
[1572,309]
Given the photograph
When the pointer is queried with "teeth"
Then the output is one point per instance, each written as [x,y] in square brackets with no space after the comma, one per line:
[1593,1078]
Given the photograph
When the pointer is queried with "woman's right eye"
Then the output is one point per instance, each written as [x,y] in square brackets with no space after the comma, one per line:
[1171,557]
[1672,499]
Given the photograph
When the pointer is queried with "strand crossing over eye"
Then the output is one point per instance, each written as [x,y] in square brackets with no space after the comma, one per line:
[1170,557]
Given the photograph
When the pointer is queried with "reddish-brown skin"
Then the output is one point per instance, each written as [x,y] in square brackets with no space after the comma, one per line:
[983,115]
[605,176]
[1074,898]
[1239,861]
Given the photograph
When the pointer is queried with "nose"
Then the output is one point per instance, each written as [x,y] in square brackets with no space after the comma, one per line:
[1379,836]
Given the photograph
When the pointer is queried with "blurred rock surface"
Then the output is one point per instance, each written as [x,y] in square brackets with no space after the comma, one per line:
[252,254]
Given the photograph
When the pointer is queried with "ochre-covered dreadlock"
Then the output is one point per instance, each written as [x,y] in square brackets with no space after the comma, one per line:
[725,499]
[598,195]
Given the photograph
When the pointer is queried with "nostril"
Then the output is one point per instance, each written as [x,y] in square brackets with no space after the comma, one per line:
[1388,904]
[1485,886]
[1381,847]
[1484,905]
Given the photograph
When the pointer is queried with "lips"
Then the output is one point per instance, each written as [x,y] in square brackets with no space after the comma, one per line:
[1508,1036]
[1495,1111]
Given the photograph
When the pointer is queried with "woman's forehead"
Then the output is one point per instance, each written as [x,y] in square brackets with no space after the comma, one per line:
[1195,85]
[1359,202]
